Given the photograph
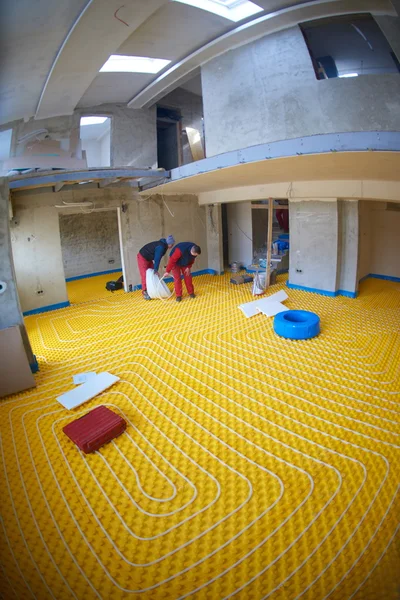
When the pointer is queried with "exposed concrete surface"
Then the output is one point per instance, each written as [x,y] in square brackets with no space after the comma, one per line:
[364,241]
[37,252]
[214,238]
[240,233]
[348,245]
[390,27]
[385,240]
[133,134]
[31,35]
[38,260]
[267,91]
[314,243]
[191,107]
[10,308]
[90,243]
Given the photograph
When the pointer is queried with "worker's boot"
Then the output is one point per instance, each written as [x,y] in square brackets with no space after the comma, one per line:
[178,298]
[192,295]
[146,296]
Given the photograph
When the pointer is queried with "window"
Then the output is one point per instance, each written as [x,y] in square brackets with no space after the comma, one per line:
[234,10]
[95,135]
[348,46]
[117,63]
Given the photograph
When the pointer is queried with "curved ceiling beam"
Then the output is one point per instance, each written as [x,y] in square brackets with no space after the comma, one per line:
[250,31]
[94,36]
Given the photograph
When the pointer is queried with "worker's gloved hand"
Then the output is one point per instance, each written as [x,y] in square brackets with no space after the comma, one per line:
[156,273]
[166,274]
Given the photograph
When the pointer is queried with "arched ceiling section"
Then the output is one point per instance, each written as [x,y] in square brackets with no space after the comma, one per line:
[171,33]
[31,35]
[93,38]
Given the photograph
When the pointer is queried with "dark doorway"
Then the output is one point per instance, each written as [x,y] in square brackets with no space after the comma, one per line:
[225,235]
[168,137]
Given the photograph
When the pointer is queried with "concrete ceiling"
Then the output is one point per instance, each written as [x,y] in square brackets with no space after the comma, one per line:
[51,52]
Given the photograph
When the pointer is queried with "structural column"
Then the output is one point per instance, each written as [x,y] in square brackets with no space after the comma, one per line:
[214,238]
[10,309]
[324,245]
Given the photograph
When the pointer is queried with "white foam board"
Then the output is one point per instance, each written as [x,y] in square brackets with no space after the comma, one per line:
[249,309]
[270,309]
[83,377]
[252,308]
[88,390]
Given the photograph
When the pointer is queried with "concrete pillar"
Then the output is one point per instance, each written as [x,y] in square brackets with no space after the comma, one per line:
[10,309]
[214,238]
[314,244]
[347,280]
[324,245]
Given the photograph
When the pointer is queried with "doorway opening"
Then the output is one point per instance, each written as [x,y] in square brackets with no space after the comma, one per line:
[92,252]
[95,135]
[169,147]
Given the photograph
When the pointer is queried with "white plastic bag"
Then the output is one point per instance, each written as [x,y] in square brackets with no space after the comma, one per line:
[259,283]
[156,288]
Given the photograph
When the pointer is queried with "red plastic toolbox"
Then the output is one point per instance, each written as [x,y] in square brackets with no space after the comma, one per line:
[97,427]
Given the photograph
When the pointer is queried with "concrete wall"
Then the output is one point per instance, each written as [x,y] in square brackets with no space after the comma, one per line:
[314,238]
[267,91]
[385,240]
[191,107]
[214,238]
[36,245]
[364,241]
[90,243]
[10,307]
[240,232]
[36,239]
[133,133]
[348,245]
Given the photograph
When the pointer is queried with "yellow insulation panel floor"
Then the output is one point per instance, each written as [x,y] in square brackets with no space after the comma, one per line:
[252,467]
[91,288]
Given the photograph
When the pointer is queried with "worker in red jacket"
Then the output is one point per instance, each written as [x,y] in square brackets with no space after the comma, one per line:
[149,258]
[180,262]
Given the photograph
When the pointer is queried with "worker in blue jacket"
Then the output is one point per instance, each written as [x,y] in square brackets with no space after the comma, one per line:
[149,258]
[180,262]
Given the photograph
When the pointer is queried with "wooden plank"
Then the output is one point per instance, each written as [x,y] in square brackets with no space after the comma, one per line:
[196,147]
[269,240]
[88,390]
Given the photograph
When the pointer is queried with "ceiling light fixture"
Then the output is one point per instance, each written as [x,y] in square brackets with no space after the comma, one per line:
[117,63]
[92,120]
[348,75]
[234,10]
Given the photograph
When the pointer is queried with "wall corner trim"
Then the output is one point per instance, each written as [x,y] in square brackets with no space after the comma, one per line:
[48,308]
[34,365]
[386,277]
[93,274]
[322,292]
